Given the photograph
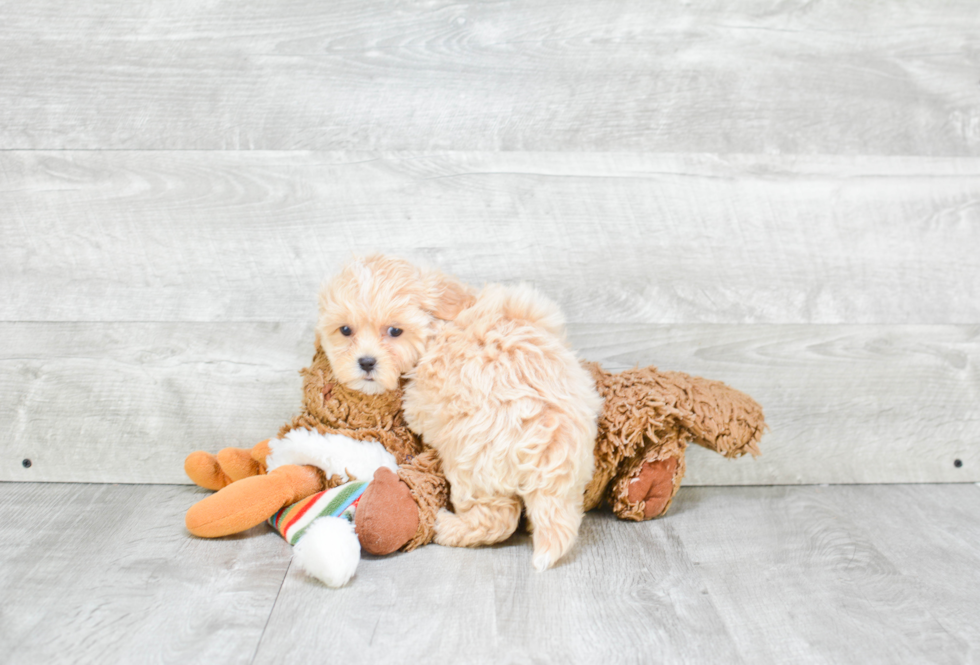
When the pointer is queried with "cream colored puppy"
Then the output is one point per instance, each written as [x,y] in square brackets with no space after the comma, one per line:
[492,386]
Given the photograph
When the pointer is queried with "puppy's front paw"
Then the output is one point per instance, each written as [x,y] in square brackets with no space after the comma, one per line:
[447,528]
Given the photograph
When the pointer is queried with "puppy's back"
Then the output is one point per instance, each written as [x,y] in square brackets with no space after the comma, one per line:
[499,366]
[511,411]
[522,304]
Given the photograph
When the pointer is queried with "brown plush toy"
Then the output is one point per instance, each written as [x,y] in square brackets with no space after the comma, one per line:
[647,420]
[395,511]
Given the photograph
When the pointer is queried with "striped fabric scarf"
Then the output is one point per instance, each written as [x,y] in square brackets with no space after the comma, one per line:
[341,501]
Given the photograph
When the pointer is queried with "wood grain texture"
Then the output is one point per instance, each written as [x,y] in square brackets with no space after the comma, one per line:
[126,402]
[107,574]
[855,574]
[762,76]
[941,526]
[627,594]
[797,579]
[614,238]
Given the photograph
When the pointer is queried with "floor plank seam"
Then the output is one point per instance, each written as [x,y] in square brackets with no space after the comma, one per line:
[258,644]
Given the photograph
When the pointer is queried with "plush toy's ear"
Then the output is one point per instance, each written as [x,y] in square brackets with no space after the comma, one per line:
[445,297]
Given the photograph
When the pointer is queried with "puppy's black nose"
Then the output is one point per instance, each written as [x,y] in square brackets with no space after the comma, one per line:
[367,363]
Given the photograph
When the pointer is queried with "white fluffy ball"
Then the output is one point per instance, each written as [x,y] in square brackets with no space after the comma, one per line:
[329,551]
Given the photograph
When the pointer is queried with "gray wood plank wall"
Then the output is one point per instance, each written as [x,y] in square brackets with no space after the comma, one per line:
[756,76]
[781,195]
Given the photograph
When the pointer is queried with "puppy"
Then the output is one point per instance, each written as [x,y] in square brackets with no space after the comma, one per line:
[492,387]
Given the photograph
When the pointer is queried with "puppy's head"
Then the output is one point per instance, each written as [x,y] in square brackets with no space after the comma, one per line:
[376,315]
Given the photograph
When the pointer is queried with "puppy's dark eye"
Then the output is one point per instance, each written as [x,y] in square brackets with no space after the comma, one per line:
[394,332]
[345,331]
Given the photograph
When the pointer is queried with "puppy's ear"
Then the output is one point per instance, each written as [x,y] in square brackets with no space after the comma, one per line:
[445,297]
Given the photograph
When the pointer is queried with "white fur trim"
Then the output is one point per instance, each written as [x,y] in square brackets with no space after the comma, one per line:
[334,453]
[329,551]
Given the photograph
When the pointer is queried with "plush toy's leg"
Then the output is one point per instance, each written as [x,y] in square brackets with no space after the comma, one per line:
[646,486]
[329,551]
[387,516]
[203,468]
[719,417]
[430,489]
[231,464]
[321,529]
[238,463]
[250,501]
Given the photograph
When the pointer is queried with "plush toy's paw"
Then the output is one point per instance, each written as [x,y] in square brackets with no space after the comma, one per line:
[654,486]
[387,516]
[203,468]
[329,551]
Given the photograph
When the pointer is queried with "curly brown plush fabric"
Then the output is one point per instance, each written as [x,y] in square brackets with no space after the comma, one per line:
[330,407]
[648,417]
[423,475]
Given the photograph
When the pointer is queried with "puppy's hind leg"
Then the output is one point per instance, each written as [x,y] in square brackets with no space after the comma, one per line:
[556,520]
[478,522]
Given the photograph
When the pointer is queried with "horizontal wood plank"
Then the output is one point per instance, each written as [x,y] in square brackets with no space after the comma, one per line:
[126,402]
[758,76]
[614,238]
[107,574]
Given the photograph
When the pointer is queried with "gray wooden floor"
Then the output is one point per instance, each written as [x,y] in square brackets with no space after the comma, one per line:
[835,574]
